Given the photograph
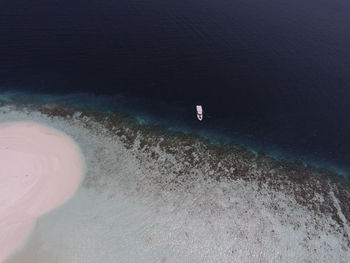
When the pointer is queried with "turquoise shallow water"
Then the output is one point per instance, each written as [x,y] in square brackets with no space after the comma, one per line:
[133,107]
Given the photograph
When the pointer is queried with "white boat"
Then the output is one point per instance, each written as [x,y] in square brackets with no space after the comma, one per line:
[199,112]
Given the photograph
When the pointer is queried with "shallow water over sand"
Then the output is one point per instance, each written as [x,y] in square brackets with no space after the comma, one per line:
[152,196]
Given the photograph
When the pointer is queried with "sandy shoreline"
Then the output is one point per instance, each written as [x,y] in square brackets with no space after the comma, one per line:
[40,168]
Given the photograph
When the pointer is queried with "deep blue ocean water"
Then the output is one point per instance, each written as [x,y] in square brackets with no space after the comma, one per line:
[271,74]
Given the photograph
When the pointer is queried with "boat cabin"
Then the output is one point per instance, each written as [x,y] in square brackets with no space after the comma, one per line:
[199,112]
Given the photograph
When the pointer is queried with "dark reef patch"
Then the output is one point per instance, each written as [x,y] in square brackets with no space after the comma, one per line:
[318,190]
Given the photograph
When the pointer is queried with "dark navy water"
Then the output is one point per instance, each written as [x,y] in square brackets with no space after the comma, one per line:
[274,74]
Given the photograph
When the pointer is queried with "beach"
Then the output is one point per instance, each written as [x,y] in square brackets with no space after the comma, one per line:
[40,169]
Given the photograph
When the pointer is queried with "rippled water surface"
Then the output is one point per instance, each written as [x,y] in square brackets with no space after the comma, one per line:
[273,74]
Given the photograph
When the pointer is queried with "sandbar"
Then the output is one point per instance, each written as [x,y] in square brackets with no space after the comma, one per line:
[40,168]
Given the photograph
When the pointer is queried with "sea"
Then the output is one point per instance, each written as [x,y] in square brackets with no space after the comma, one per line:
[271,75]
[273,78]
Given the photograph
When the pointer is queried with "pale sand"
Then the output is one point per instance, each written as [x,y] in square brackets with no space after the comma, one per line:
[40,168]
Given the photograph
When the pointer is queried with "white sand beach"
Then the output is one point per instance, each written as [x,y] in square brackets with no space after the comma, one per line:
[40,168]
